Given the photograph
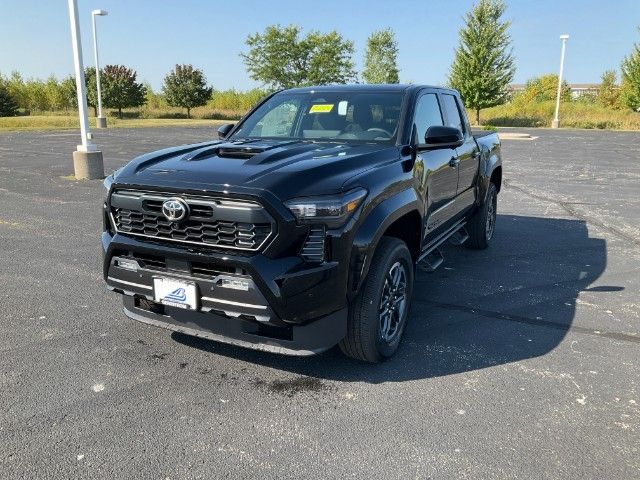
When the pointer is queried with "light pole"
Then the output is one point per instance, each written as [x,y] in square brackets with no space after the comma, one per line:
[87,159]
[556,120]
[101,122]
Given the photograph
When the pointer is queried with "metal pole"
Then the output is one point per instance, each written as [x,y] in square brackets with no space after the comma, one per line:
[87,145]
[101,122]
[556,120]
[87,160]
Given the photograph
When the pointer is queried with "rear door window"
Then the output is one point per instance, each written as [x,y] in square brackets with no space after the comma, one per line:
[454,119]
[427,114]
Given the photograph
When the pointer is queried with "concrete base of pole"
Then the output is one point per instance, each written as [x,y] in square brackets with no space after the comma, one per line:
[555,123]
[88,165]
[101,122]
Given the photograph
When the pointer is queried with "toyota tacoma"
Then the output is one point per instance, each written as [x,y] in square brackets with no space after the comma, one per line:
[302,226]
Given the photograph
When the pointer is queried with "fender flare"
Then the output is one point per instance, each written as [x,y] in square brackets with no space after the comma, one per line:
[490,161]
[371,230]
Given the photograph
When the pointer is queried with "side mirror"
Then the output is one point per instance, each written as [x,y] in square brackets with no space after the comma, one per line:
[224,130]
[442,137]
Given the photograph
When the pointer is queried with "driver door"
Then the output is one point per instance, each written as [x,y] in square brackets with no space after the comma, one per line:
[439,173]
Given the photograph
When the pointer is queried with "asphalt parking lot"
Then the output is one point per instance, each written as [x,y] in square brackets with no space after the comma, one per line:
[520,361]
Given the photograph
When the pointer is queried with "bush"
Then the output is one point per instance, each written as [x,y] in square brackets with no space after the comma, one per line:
[124,114]
[543,88]
[574,114]
[8,107]
[516,121]
[609,91]
[235,101]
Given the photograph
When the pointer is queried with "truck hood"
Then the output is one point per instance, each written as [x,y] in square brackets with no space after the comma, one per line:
[284,168]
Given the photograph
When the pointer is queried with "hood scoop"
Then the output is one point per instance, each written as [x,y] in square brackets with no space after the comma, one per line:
[239,152]
[200,154]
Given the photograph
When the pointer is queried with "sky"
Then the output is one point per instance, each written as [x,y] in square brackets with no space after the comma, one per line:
[152,36]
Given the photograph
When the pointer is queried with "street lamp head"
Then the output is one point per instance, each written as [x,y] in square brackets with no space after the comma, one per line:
[101,13]
[564,37]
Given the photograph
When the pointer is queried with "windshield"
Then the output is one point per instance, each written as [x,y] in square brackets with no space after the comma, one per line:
[325,116]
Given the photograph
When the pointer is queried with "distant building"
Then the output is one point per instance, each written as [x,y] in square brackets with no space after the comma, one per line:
[577,89]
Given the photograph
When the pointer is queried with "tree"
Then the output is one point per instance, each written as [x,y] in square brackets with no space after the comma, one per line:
[120,89]
[56,95]
[68,87]
[8,107]
[545,88]
[186,87]
[630,90]
[281,59]
[381,59]
[154,100]
[609,91]
[483,65]
[92,88]
[36,94]
[17,90]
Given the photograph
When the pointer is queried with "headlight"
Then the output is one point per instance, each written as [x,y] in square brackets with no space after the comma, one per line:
[331,210]
[107,187]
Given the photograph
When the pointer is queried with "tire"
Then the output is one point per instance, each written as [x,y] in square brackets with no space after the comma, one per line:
[374,335]
[482,225]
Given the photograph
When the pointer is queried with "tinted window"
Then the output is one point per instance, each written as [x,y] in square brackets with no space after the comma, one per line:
[427,114]
[326,116]
[277,122]
[453,114]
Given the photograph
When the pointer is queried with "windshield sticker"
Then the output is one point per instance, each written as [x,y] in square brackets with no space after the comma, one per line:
[321,108]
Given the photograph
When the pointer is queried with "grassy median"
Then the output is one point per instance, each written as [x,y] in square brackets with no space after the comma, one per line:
[62,122]
[574,114]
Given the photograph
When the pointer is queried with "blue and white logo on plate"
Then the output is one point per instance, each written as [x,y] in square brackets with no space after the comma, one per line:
[178,295]
[175,293]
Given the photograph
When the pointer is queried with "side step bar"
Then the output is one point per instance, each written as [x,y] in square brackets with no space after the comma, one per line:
[431,256]
[459,237]
[432,261]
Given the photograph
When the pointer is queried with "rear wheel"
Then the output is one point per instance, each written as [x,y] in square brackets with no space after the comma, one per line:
[378,315]
[483,223]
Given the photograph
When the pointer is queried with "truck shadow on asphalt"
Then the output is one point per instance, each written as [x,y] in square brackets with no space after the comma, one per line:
[514,301]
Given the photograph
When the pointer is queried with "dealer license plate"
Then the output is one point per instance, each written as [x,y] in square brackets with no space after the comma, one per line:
[175,293]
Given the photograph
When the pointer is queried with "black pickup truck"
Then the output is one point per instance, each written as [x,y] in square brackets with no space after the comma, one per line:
[301,227]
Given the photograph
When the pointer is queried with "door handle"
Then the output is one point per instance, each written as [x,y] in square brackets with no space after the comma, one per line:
[454,162]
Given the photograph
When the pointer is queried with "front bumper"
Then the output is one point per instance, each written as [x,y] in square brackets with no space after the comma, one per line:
[301,340]
[287,306]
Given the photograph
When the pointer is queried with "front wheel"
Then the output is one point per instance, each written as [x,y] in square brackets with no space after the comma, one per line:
[483,223]
[378,316]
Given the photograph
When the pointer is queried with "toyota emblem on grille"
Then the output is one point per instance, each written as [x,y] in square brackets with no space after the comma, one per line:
[175,209]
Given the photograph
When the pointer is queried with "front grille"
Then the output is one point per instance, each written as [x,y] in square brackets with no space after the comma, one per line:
[211,222]
[213,270]
[153,262]
[215,233]
[157,262]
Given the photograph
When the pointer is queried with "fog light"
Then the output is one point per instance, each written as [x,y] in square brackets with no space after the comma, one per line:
[234,284]
[125,264]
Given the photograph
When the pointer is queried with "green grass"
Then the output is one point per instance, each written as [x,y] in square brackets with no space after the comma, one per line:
[61,122]
[573,114]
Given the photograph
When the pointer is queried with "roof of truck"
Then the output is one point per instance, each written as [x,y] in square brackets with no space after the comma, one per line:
[363,87]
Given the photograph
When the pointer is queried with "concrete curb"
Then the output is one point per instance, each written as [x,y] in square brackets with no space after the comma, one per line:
[514,136]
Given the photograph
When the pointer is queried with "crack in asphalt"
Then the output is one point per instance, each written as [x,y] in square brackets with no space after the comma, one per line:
[623,337]
[566,206]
